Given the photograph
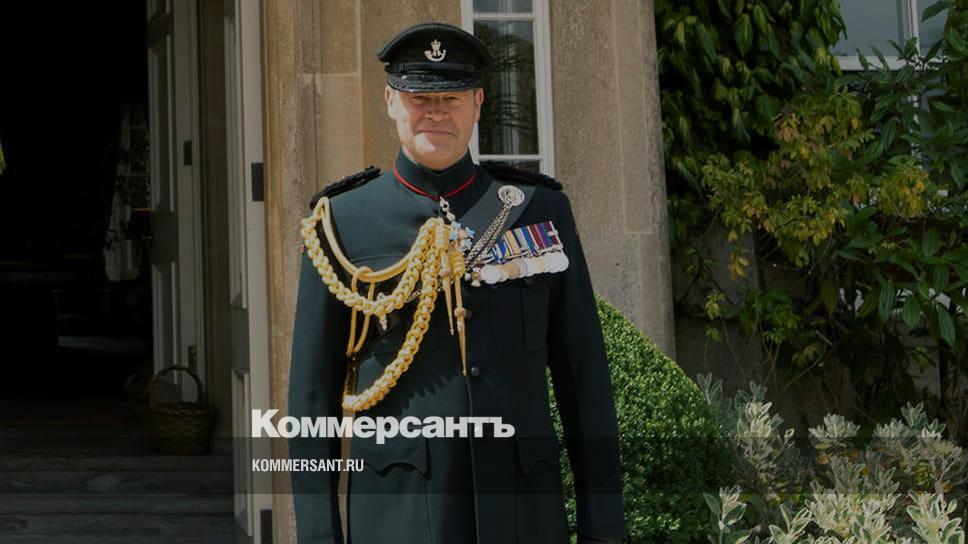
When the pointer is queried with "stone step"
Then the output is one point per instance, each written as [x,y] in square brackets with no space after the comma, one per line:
[134,539]
[125,481]
[9,462]
[24,445]
[131,503]
[116,525]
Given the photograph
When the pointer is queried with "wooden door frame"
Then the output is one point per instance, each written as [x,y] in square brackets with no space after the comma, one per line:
[183,66]
[247,241]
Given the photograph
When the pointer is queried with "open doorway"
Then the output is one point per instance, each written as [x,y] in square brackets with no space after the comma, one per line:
[76,319]
[92,144]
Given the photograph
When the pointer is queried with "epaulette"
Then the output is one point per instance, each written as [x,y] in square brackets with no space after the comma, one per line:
[505,172]
[345,184]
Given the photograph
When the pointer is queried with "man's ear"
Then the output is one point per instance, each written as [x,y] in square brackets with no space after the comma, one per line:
[388,98]
[478,101]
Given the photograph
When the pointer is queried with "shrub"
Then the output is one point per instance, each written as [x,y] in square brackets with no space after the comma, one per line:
[670,446]
[898,486]
[847,236]
[725,70]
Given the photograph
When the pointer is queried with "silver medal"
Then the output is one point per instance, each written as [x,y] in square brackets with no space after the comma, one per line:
[490,274]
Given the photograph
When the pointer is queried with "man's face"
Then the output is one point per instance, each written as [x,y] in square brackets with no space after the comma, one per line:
[434,128]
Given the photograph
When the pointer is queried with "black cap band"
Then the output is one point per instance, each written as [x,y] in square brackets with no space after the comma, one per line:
[430,67]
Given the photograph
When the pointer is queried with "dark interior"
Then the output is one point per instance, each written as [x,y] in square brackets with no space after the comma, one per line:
[69,73]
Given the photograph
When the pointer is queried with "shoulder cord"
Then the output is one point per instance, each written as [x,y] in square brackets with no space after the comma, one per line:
[435,255]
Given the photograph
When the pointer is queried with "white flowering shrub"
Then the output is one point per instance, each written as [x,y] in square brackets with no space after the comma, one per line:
[901,485]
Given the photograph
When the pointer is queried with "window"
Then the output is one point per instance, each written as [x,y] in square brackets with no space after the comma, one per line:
[516,120]
[874,23]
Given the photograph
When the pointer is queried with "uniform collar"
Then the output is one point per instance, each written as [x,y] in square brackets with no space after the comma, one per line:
[431,183]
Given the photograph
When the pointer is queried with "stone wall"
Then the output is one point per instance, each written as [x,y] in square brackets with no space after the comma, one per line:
[325,117]
[608,147]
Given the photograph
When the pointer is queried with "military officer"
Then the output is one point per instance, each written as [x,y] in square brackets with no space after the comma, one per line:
[503,293]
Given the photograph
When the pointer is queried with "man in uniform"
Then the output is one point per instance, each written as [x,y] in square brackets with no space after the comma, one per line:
[524,303]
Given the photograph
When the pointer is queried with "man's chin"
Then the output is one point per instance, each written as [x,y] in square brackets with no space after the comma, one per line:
[435,156]
[434,143]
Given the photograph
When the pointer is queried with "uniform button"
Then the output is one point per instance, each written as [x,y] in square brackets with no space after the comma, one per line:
[529,280]
[475,371]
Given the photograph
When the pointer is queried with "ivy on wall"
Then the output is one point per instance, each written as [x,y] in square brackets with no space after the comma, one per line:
[725,69]
[846,193]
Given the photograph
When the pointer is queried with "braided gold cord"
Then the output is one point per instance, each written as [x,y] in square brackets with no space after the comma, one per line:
[376,392]
[410,264]
[432,257]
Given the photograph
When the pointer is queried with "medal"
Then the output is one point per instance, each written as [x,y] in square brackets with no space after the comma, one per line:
[523,252]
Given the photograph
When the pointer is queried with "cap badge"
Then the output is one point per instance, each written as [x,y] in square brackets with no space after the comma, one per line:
[435,54]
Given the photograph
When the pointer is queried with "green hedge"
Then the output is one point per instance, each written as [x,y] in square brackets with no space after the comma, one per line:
[671,448]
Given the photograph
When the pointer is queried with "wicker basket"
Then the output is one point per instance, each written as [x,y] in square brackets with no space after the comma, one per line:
[182,428]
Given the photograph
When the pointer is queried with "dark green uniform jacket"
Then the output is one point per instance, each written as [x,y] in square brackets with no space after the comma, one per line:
[459,490]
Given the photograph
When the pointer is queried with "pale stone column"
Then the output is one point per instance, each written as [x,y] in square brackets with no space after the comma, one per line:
[608,149]
[290,70]
[324,118]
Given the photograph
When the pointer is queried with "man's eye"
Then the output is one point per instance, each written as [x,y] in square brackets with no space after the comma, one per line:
[418,99]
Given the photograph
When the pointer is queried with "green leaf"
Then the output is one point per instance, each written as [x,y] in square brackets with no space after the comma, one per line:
[946,325]
[828,295]
[885,302]
[734,515]
[934,49]
[960,301]
[962,271]
[870,303]
[772,44]
[680,34]
[786,10]
[911,311]
[956,41]
[706,42]
[888,133]
[713,503]
[738,537]
[930,243]
[767,106]
[901,260]
[933,10]
[940,105]
[743,34]
[863,241]
[881,58]
[939,278]
[739,6]
[850,256]
[956,175]
[759,17]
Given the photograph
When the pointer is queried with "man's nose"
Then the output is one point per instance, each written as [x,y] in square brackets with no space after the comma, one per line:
[438,110]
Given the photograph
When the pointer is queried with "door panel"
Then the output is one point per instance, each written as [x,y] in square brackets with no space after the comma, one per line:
[175,246]
[247,288]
